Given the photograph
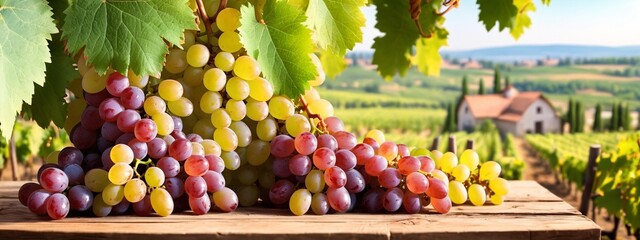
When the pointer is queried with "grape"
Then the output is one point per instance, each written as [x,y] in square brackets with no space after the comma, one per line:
[92,82]
[176,61]
[321,75]
[417,183]
[178,135]
[136,80]
[132,98]
[99,207]
[281,191]
[215,163]
[195,186]
[211,147]
[210,101]
[26,190]
[388,150]
[68,156]
[411,202]
[57,206]
[175,187]
[80,198]
[164,122]
[334,124]
[282,146]
[363,152]
[225,199]
[248,195]
[227,139]
[96,179]
[237,88]
[197,55]
[154,105]
[312,95]
[300,165]
[154,177]
[281,107]
[440,175]
[246,68]
[139,149]
[257,111]
[345,140]
[477,195]
[408,165]
[420,152]
[372,200]
[102,145]
[436,155]
[75,173]
[324,158]
[183,107]
[157,148]
[447,162]
[112,194]
[145,130]
[345,159]
[500,186]
[280,167]
[267,179]
[267,129]
[297,124]
[228,19]
[231,160]
[461,173]
[259,150]
[224,61]
[457,192]
[53,180]
[372,143]
[497,199]
[314,181]
[489,170]
[470,158]
[83,138]
[260,89]
[390,178]
[215,181]
[229,42]
[300,202]
[180,149]
[437,188]
[37,201]
[237,109]
[214,79]
[441,205]
[328,141]
[305,143]
[121,153]
[135,190]
[143,207]
[376,135]
[177,123]
[196,166]
[335,177]
[220,118]
[201,205]
[321,107]
[355,181]
[403,150]
[247,175]
[110,131]
[170,90]
[110,109]
[169,166]
[120,208]
[161,202]
[375,165]
[392,199]
[319,204]
[339,199]
[426,164]
[243,133]
[90,118]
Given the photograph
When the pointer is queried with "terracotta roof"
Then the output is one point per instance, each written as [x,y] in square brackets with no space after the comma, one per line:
[501,107]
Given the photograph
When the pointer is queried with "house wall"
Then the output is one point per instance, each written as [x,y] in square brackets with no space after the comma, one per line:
[465,118]
[506,127]
[550,122]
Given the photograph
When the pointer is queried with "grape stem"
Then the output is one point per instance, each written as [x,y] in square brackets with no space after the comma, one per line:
[138,162]
[305,107]
[223,5]
[205,18]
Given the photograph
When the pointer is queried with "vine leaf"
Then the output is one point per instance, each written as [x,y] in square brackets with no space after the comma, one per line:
[332,64]
[281,46]
[501,11]
[522,20]
[428,57]
[26,25]
[546,2]
[336,23]
[126,34]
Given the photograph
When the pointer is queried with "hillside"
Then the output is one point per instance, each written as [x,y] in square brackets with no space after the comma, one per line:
[522,52]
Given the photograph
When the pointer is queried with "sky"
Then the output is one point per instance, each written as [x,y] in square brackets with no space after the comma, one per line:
[582,22]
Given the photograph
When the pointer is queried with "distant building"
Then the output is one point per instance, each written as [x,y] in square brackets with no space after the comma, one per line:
[512,112]
[471,64]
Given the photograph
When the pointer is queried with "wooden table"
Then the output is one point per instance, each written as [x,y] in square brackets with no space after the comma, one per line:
[530,212]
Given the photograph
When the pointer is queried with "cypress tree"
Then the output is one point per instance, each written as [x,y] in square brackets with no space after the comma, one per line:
[569,117]
[579,118]
[452,123]
[497,85]
[597,119]
[621,117]
[481,87]
[613,124]
[465,87]
[507,82]
[447,119]
[626,118]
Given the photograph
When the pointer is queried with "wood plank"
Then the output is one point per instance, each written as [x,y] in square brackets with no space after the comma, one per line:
[530,191]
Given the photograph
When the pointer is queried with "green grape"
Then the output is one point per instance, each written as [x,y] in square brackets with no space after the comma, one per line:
[243,133]
[161,202]
[314,181]
[198,55]
[204,128]
[193,76]
[420,151]
[260,151]
[170,90]
[99,207]
[321,107]
[189,36]
[182,107]
[440,175]
[281,107]
[197,149]
[311,95]
[176,61]
[120,173]
[461,173]
[267,129]
[112,194]
[164,122]
[121,153]
[267,179]
[237,88]
[256,110]
[214,79]
[300,202]
[231,160]
[228,20]
[447,162]
[210,101]
[224,61]
[376,134]
[230,42]
[436,155]
[242,154]
[246,68]
[497,199]
[297,124]
[226,138]
[237,109]
[321,75]
[220,118]
[477,195]
[211,147]
[137,81]
[489,170]
[457,192]
[92,82]
[499,186]
[470,158]
[154,105]
[154,177]
[96,179]
[248,195]
[260,89]
[247,174]
[135,190]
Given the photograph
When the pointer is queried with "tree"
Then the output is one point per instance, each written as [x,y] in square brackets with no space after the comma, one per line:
[579,121]
[497,85]
[597,119]
[481,87]
[465,87]
[570,117]
[450,119]
[613,123]
[626,118]
[507,82]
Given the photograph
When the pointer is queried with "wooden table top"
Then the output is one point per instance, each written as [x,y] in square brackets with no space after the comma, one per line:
[529,212]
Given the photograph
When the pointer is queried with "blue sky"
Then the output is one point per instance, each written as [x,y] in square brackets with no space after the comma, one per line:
[584,22]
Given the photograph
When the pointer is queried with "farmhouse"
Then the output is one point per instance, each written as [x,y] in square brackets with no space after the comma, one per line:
[512,112]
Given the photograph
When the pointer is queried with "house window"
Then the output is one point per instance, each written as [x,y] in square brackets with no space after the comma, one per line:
[539,110]
[466,109]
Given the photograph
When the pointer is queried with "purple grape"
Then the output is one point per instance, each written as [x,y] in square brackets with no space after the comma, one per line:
[408,165]
[411,202]
[300,165]
[26,190]
[110,131]
[143,207]
[53,180]
[392,199]
[110,109]
[281,191]
[372,143]
[90,118]
[37,202]
[91,161]
[282,146]
[116,84]
[320,204]
[194,137]
[390,178]
[177,123]
[70,155]
[426,164]
[201,205]
[334,124]
[178,134]
[328,141]
[345,159]
[180,149]
[121,208]
[157,148]
[362,152]
[346,140]
[83,138]
[280,167]
[103,144]
[57,206]
[339,199]
[132,98]
[94,99]
[107,163]
[215,163]
[306,143]
[170,166]
[139,148]
[45,166]
[195,186]
[145,130]
[80,198]
[175,186]
[215,181]
[355,181]
[125,138]
[75,174]
[127,120]
[372,200]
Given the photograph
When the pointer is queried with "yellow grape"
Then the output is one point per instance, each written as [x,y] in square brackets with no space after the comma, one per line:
[497,199]
[461,173]
[164,122]
[161,202]
[220,118]
[300,202]
[246,68]
[243,133]
[137,81]
[154,105]
[376,135]
[230,42]
[92,82]
[197,149]
[440,175]
[214,79]
[182,107]
[193,76]
[112,194]
[211,147]
[176,61]
[489,170]
[260,89]
[228,20]
[96,179]
[297,124]
[120,173]
[314,181]
[154,177]
[198,55]
[311,95]
[227,139]
[135,190]
[189,37]
[457,192]
[281,107]
[210,101]
[470,158]
[267,129]
[321,107]
[436,155]
[237,88]
[499,186]
[447,162]
[259,150]
[170,90]
[237,109]
[121,153]
[321,75]
[257,110]
[477,195]
[420,151]
[224,61]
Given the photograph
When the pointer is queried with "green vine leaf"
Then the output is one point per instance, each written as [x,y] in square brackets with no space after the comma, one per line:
[26,25]
[428,57]
[336,23]
[281,46]
[501,11]
[332,64]
[126,34]
[522,19]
